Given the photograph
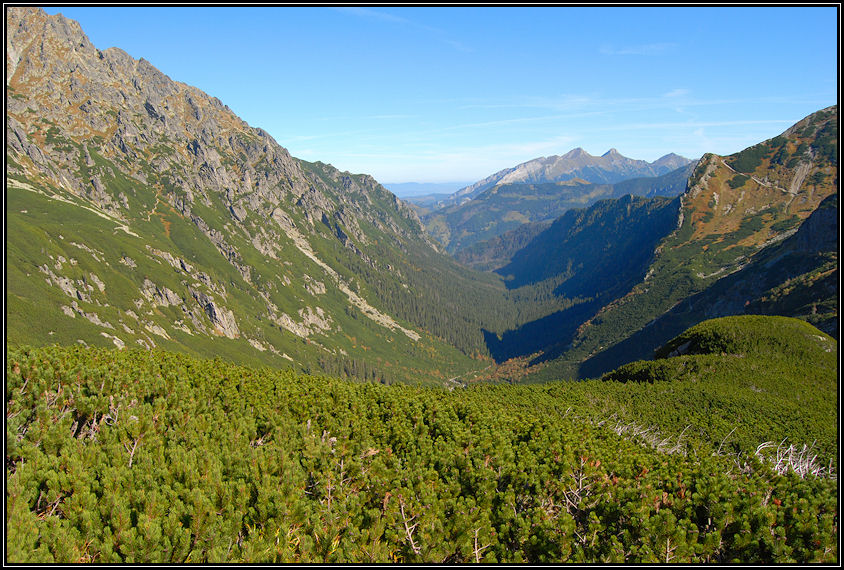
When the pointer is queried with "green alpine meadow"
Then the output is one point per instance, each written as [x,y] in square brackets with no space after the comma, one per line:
[217,352]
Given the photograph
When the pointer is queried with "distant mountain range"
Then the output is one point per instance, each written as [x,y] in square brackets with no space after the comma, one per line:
[507,205]
[609,168]
[417,189]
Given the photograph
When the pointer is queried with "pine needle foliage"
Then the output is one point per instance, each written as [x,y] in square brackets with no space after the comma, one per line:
[155,457]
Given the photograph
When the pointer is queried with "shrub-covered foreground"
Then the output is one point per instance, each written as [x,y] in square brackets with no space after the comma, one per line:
[135,456]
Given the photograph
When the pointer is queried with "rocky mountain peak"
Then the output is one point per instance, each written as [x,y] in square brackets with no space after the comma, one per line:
[157,130]
[128,104]
[671,161]
[32,30]
[576,153]
[609,168]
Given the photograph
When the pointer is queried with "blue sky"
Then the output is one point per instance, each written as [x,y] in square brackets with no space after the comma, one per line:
[456,93]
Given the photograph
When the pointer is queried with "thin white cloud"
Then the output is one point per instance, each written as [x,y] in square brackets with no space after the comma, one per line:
[593,104]
[371,14]
[389,117]
[646,49]
[514,121]
[689,125]
[459,46]
[561,103]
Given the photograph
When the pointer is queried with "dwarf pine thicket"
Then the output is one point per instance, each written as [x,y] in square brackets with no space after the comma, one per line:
[151,456]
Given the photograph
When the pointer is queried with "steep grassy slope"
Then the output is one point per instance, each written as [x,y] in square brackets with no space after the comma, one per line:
[592,251]
[146,456]
[144,212]
[735,208]
[797,277]
[584,260]
[165,290]
[497,252]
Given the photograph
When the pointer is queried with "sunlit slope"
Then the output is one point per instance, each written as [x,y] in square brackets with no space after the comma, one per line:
[744,379]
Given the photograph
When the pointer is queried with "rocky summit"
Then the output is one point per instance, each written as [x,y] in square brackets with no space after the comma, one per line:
[608,168]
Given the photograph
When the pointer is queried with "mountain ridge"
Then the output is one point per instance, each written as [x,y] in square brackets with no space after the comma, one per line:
[261,249]
[735,209]
[506,206]
[606,169]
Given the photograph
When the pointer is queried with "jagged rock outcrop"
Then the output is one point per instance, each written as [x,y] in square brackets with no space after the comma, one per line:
[310,321]
[222,318]
[160,296]
[149,109]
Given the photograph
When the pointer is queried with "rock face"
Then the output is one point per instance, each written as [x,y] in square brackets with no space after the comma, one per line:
[221,318]
[135,111]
